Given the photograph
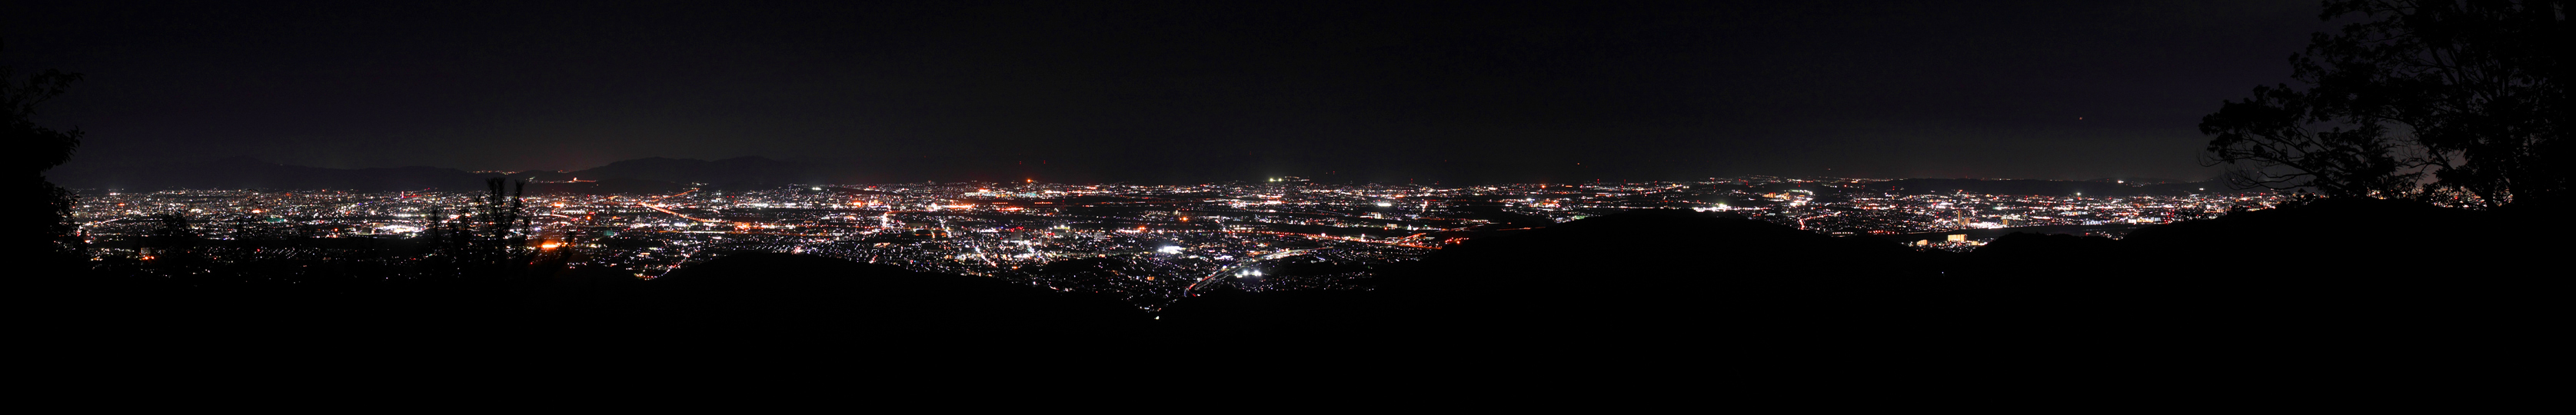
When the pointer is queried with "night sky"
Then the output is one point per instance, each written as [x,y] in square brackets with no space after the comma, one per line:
[1205,90]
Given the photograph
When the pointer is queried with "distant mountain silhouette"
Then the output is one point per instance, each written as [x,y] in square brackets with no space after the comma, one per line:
[245,172]
[606,187]
[2099,188]
[739,172]
[661,174]
[647,175]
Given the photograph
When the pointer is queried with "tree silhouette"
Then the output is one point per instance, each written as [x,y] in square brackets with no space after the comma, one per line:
[489,240]
[40,149]
[173,247]
[2443,100]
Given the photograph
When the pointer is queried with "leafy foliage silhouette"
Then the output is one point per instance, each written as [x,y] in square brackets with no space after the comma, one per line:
[41,148]
[2439,100]
[489,241]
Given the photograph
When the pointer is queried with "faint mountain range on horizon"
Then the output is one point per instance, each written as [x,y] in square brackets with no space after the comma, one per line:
[2098,188]
[250,173]
[751,171]
[646,175]
[663,174]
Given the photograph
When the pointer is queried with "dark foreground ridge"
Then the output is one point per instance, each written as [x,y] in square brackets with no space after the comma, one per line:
[1669,281]
[2281,274]
[832,297]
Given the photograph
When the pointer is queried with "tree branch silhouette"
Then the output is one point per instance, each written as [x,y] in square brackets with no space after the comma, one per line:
[42,148]
[2454,102]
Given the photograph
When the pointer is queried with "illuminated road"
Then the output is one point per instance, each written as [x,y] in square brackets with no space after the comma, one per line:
[1220,272]
[655,205]
[1337,238]
[651,205]
[979,253]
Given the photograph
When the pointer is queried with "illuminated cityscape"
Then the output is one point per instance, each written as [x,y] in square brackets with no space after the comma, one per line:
[1150,245]
[2132,200]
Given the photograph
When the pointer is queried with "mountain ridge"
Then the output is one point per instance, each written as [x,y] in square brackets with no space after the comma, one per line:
[653,174]
[645,174]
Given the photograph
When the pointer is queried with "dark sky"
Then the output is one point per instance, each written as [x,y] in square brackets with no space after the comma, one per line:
[1204,90]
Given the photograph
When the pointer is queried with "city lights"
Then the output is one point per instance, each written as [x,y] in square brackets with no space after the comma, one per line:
[1156,243]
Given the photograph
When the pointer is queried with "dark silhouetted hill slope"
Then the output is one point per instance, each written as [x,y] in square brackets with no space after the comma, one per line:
[2333,269]
[817,296]
[1636,274]
[2330,271]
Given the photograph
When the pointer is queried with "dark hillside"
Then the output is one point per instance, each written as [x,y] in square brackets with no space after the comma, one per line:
[1635,274]
[832,297]
[2323,272]
[2328,269]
